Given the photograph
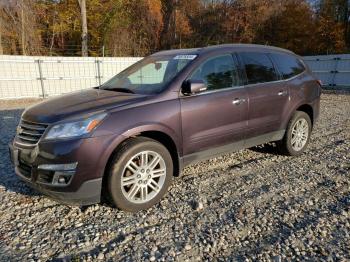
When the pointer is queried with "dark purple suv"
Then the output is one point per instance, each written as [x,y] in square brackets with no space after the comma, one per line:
[128,138]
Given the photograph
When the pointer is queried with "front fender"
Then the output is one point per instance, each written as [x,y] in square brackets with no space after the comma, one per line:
[116,140]
[157,127]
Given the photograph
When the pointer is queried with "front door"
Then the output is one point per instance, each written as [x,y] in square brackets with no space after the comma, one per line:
[218,116]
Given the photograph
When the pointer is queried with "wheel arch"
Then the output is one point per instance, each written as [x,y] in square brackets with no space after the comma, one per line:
[306,108]
[156,134]
[169,143]
[159,134]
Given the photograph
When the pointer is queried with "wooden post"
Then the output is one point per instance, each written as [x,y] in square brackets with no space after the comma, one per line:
[1,49]
[22,30]
[84,34]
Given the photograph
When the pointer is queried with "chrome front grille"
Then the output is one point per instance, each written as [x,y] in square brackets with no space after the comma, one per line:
[30,133]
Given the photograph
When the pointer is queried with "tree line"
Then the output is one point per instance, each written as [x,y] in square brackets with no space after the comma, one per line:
[141,27]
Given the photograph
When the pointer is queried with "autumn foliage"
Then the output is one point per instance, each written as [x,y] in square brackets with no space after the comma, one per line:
[140,27]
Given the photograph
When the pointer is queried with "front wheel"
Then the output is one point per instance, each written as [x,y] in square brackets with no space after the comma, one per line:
[297,135]
[140,174]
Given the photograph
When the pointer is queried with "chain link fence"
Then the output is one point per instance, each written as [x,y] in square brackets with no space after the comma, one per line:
[33,77]
[28,77]
[332,70]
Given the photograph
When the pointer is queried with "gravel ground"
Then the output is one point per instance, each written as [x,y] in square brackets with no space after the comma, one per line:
[250,205]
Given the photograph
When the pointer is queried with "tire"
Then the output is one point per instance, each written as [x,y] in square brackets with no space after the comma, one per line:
[142,186]
[288,147]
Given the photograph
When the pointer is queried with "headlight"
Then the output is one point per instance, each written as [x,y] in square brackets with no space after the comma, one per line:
[76,128]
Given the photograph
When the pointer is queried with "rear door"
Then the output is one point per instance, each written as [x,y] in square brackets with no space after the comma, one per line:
[217,116]
[267,95]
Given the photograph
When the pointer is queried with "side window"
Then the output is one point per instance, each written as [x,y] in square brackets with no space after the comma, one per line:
[258,67]
[218,72]
[287,65]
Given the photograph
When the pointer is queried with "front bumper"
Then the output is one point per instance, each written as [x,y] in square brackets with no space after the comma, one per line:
[84,187]
[89,192]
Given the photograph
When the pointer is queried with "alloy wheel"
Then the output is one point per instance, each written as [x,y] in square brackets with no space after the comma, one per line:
[143,177]
[300,134]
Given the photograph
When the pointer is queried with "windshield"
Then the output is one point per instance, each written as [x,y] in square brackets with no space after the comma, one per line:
[150,75]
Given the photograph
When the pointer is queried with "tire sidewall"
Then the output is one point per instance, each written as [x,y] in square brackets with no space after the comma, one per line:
[117,168]
[297,116]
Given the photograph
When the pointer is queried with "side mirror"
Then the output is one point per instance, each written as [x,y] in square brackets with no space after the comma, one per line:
[190,87]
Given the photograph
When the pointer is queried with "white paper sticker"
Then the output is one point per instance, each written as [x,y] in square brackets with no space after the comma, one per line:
[185,57]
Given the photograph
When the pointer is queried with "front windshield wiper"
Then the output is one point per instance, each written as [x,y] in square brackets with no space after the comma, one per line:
[120,89]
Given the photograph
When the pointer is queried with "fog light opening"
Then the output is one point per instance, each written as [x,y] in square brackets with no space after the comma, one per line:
[62,178]
[62,173]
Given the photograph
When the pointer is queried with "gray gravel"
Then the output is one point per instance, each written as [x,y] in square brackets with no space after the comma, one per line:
[250,205]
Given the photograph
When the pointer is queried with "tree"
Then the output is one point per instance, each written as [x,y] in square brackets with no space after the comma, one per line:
[293,28]
[84,34]
[331,29]
[134,27]
[19,31]
[1,48]
[140,27]
[23,35]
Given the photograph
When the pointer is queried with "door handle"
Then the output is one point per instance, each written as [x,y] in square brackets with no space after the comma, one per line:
[238,101]
[282,93]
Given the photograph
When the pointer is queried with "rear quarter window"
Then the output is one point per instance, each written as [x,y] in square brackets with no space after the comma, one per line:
[287,65]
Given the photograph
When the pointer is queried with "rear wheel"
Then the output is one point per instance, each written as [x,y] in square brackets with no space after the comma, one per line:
[297,135]
[140,174]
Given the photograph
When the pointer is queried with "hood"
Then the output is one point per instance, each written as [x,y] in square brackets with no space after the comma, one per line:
[78,103]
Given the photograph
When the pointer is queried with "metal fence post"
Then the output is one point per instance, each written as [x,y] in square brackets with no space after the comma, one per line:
[99,76]
[335,71]
[41,78]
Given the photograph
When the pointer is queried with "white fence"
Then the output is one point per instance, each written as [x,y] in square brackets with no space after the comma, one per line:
[332,70]
[29,76]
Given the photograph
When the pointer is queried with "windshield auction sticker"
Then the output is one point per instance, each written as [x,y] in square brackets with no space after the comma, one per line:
[186,57]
